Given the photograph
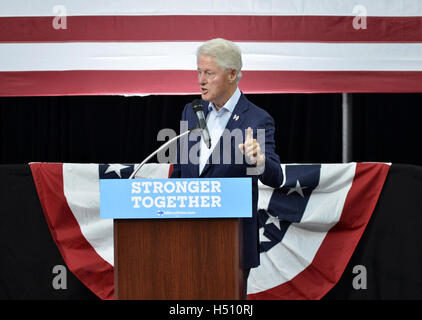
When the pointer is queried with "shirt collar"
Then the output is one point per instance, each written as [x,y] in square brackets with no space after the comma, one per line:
[229,105]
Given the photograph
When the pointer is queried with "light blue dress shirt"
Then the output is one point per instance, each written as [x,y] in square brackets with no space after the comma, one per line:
[216,123]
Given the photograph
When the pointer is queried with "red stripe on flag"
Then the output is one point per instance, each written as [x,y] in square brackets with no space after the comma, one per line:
[168,82]
[200,28]
[340,242]
[80,257]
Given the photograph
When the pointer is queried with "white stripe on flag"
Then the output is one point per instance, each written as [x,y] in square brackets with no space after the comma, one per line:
[302,240]
[181,56]
[218,7]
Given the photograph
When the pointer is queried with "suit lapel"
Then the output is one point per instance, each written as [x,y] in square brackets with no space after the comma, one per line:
[238,115]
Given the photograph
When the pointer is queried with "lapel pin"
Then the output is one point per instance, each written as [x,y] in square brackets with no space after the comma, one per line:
[235,117]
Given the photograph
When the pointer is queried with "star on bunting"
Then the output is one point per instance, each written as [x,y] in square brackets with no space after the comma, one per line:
[116,168]
[297,189]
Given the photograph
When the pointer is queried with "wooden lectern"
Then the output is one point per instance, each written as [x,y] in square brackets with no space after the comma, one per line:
[177,239]
[178,259]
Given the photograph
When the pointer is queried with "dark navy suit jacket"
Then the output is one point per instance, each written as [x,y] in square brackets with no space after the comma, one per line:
[252,116]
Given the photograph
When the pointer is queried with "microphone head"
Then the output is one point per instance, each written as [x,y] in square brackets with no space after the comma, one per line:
[197,105]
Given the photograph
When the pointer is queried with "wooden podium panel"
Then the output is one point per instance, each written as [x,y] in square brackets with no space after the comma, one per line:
[178,259]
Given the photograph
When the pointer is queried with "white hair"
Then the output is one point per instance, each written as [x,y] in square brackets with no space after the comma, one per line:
[226,54]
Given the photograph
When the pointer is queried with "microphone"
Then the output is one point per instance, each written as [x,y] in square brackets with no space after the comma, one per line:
[199,111]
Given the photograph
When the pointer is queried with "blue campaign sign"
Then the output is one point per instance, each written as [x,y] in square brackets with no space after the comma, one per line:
[175,198]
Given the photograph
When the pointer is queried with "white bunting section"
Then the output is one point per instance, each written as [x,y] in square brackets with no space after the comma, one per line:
[81,188]
[181,56]
[217,7]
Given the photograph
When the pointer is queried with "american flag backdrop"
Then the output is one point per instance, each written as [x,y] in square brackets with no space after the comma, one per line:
[76,47]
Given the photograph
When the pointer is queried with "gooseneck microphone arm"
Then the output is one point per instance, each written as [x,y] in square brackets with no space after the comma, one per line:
[165,145]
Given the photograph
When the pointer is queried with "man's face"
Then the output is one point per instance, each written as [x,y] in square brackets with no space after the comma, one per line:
[217,85]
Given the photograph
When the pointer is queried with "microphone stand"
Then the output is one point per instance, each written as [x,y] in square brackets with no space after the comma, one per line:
[158,150]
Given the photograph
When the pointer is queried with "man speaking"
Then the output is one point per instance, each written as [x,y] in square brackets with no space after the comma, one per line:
[226,109]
